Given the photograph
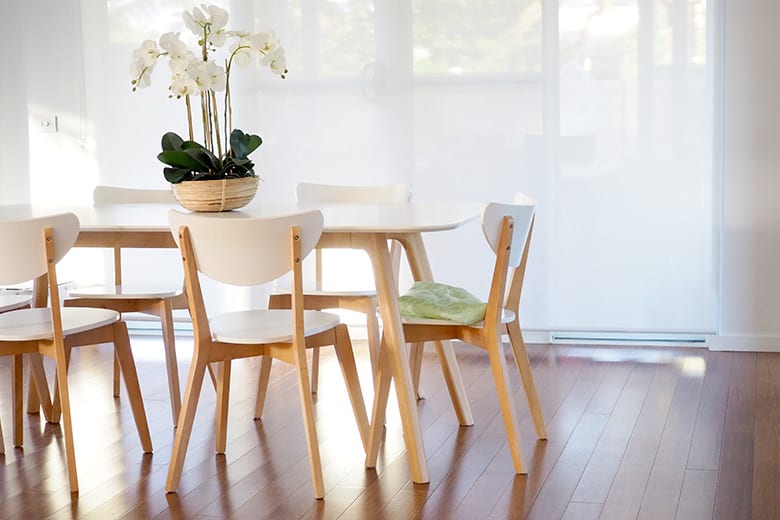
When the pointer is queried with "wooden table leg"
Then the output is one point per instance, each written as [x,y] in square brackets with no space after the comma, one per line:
[421,270]
[394,344]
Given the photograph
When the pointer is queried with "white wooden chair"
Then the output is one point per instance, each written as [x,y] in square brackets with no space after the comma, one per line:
[156,300]
[247,252]
[507,228]
[38,244]
[11,302]
[364,301]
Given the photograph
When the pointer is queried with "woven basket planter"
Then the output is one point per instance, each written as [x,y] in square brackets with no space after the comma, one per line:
[216,195]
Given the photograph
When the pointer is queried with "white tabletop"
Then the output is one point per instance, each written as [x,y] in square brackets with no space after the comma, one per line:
[346,218]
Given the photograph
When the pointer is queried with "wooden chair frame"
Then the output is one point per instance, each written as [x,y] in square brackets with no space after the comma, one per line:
[208,350]
[486,335]
[161,307]
[58,348]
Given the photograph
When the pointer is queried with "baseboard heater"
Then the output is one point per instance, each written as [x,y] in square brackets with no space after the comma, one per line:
[629,338]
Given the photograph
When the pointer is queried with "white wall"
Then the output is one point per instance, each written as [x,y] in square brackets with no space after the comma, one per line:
[750,255]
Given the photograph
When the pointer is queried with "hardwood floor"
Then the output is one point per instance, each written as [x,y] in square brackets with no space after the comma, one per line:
[634,432]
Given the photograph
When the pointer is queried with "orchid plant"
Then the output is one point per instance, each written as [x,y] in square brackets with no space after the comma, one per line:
[225,150]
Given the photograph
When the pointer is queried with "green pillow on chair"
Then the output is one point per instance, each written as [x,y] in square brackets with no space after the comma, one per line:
[438,301]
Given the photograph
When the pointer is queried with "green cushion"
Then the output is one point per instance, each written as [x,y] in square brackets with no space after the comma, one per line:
[438,301]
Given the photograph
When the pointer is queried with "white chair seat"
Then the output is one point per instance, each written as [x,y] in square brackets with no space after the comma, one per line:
[35,324]
[12,301]
[125,292]
[267,326]
[507,316]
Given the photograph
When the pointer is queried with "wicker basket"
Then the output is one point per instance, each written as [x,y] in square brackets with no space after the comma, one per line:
[216,195]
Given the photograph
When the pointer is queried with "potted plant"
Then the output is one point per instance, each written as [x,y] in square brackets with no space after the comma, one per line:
[215,174]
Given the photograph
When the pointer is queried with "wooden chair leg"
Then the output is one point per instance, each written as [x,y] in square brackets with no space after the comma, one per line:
[186,418]
[171,362]
[315,369]
[527,377]
[56,405]
[307,409]
[262,384]
[381,394]
[451,372]
[374,339]
[33,404]
[62,404]
[38,380]
[18,398]
[223,398]
[115,382]
[504,392]
[346,358]
[2,443]
[415,364]
[130,376]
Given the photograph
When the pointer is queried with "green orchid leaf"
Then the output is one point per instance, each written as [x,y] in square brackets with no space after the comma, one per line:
[253,143]
[238,140]
[171,141]
[206,159]
[175,175]
[179,159]
[241,144]
[186,145]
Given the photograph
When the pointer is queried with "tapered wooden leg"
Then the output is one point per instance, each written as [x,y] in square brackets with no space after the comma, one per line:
[415,363]
[33,404]
[56,406]
[130,376]
[315,369]
[505,399]
[527,377]
[187,417]
[115,382]
[62,398]
[346,359]
[387,294]
[307,409]
[171,363]
[262,384]
[451,372]
[381,394]
[223,398]
[18,398]
[372,330]
[41,385]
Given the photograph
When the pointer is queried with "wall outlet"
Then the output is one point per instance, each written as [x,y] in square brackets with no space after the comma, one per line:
[48,125]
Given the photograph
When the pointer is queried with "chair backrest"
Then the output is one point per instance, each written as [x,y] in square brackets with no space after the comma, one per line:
[238,250]
[24,253]
[118,195]
[522,214]
[311,193]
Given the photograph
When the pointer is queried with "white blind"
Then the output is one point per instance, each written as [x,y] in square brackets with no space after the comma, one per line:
[602,111]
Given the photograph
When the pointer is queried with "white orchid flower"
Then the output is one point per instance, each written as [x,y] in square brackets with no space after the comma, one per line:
[195,21]
[217,75]
[278,63]
[184,86]
[270,41]
[199,72]
[147,53]
[218,17]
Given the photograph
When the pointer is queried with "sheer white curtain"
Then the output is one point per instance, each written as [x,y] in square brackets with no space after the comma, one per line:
[602,111]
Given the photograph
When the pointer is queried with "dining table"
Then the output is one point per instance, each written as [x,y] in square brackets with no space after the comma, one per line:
[356,226]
